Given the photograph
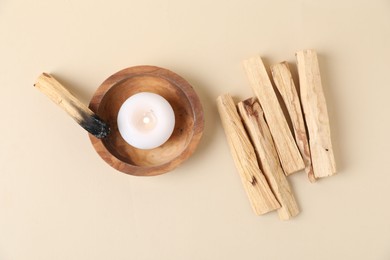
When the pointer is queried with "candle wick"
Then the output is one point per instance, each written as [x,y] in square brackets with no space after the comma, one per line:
[146,120]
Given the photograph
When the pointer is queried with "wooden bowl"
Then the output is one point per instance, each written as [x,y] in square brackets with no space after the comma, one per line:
[189,121]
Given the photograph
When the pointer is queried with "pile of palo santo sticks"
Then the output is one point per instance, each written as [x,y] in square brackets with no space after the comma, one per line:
[263,147]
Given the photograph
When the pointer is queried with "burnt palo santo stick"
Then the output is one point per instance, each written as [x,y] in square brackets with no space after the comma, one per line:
[84,116]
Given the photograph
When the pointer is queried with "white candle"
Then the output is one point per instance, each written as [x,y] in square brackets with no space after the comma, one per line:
[146,120]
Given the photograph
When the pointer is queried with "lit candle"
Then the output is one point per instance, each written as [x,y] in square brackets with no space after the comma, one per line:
[146,120]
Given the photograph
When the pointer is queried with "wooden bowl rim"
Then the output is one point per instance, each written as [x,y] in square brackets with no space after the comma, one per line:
[194,101]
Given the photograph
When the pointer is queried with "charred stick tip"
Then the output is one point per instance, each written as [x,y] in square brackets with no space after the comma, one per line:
[95,126]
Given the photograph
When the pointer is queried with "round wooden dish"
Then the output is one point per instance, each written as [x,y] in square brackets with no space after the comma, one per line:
[189,121]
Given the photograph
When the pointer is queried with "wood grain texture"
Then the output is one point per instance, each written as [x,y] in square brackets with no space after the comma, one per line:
[48,85]
[189,120]
[286,147]
[316,113]
[259,193]
[253,117]
[285,84]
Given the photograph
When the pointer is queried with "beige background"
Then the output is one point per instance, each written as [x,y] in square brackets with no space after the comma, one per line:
[59,200]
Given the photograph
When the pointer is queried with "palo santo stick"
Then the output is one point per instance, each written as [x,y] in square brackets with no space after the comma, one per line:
[260,195]
[286,147]
[84,116]
[258,130]
[316,114]
[285,84]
